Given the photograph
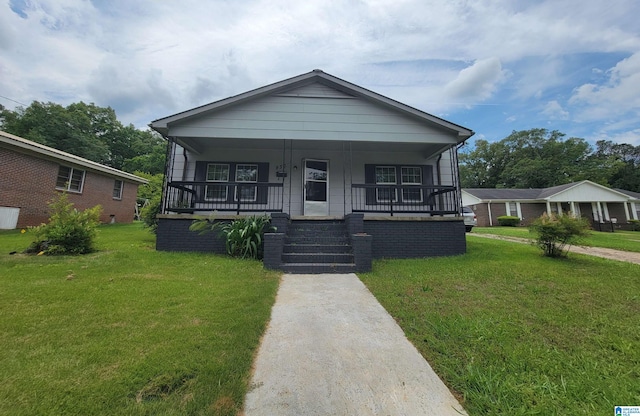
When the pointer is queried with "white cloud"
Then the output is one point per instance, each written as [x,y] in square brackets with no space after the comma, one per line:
[620,95]
[149,59]
[477,82]
[554,111]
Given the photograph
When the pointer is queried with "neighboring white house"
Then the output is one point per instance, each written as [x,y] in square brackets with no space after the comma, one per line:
[585,198]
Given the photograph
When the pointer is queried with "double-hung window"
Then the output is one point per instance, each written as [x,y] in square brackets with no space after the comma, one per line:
[411,175]
[117,189]
[70,179]
[386,175]
[246,173]
[217,172]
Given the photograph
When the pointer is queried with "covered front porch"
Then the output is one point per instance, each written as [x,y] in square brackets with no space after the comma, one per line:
[312,178]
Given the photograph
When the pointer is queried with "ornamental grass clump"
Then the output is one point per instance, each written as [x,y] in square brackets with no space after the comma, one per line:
[555,232]
[69,231]
[244,237]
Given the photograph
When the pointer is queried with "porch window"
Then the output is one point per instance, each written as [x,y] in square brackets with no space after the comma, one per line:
[386,175]
[117,189]
[70,179]
[217,172]
[248,174]
[411,175]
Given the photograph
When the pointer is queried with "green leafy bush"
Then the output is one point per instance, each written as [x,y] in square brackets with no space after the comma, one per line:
[244,237]
[635,225]
[555,232]
[149,214]
[508,221]
[68,231]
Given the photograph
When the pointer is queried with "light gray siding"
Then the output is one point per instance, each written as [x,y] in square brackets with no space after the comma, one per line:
[319,118]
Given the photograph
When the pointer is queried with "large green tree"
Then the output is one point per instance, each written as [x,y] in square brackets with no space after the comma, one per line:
[536,158]
[88,131]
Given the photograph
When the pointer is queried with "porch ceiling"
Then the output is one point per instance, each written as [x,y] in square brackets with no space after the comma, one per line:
[199,144]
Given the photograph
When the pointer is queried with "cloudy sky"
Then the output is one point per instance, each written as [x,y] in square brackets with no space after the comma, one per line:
[490,65]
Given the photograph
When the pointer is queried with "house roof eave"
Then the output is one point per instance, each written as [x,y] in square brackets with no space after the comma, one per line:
[162,125]
[25,145]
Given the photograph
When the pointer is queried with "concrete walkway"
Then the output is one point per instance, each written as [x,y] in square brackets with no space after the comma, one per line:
[605,253]
[332,349]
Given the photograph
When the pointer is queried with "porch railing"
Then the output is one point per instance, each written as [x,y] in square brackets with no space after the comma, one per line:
[417,199]
[193,197]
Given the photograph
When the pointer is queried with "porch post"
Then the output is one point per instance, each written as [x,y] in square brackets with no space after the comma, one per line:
[548,208]
[559,208]
[594,212]
[599,208]
[572,207]
[634,211]
[605,210]
[626,211]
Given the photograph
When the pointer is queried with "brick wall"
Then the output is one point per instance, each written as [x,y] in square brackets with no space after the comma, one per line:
[173,235]
[413,239]
[530,212]
[29,183]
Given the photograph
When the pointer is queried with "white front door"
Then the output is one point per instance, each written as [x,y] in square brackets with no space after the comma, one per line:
[316,187]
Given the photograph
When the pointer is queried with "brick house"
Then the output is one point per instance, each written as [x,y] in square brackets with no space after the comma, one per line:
[600,204]
[32,174]
[333,163]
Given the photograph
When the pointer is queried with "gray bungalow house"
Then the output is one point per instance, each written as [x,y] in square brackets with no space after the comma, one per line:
[602,205]
[316,153]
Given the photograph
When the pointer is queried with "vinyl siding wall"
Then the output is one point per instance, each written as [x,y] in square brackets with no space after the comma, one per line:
[312,116]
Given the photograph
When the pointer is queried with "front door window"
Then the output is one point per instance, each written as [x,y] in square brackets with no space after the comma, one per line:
[316,185]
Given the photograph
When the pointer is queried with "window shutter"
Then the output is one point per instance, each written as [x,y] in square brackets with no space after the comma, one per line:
[427,180]
[263,177]
[370,178]
[200,175]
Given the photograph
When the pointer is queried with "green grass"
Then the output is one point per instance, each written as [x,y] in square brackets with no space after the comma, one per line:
[128,330]
[619,240]
[512,332]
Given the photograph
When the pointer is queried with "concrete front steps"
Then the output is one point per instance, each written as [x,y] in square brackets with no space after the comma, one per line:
[317,247]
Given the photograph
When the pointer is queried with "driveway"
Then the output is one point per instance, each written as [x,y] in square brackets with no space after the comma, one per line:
[332,349]
[606,253]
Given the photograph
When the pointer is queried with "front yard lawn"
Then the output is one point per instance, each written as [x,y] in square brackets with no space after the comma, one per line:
[512,332]
[128,330]
[618,240]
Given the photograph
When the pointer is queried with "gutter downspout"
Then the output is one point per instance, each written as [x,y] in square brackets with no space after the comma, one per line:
[186,162]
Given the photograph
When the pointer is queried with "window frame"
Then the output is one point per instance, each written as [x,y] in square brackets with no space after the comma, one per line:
[119,189]
[255,188]
[224,188]
[395,182]
[69,179]
[403,183]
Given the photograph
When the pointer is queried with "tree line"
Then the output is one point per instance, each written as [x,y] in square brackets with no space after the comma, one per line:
[88,131]
[539,158]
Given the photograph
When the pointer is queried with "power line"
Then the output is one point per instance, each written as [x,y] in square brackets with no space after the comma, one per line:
[17,102]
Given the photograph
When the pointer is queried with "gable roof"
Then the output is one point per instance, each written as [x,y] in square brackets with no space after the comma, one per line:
[633,195]
[537,194]
[27,146]
[316,76]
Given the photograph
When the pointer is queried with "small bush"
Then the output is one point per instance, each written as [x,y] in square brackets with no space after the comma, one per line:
[635,225]
[555,232]
[508,221]
[149,214]
[244,237]
[68,231]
